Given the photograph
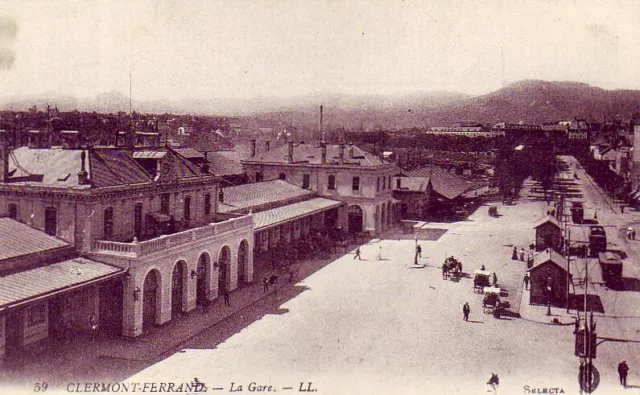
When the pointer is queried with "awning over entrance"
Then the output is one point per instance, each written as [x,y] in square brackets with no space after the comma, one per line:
[159,217]
[276,216]
[42,282]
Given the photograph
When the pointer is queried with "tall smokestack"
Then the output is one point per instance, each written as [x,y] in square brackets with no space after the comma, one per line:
[323,156]
[321,129]
[290,152]
[341,154]
[4,156]
[253,148]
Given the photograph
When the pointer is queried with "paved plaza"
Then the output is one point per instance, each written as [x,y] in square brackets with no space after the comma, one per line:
[381,327]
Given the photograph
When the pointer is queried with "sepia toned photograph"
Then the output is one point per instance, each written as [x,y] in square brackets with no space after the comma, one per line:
[331,197]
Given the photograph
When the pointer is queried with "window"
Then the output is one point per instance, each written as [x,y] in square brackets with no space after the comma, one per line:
[108,222]
[165,200]
[207,203]
[50,221]
[389,182]
[13,211]
[259,177]
[137,220]
[331,182]
[355,185]
[378,184]
[398,183]
[282,176]
[37,314]
[384,183]
[305,181]
[187,208]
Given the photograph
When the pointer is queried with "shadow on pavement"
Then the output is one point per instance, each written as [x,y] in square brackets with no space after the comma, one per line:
[576,302]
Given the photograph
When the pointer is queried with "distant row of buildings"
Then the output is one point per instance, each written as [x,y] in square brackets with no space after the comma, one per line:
[573,130]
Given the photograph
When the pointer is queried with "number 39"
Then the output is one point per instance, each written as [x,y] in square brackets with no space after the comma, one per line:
[40,387]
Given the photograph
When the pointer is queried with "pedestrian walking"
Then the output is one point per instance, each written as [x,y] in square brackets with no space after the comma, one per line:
[465,311]
[265,284]
[482,267]
[522,254]
[622,209]
[357,255]
[226,298]
[633,234]
[419,251]
[526,281]
[514,256]
[379,256]
[494,381]
[495,279]
[623,370]
[595,216]
[629,233]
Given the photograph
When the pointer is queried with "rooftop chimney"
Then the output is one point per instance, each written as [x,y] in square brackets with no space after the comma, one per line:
[290,152]
[321,130]
[267,145]
[83,178]
[253,148]
[341,154]
[323,154]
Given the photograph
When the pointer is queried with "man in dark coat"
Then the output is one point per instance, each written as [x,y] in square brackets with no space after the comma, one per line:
[623,370]
[495,279]
[465,311]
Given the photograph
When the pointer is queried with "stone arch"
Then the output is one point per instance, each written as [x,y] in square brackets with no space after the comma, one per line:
[243,262]
[151,298]
[355,215]
[203,282]
[179,287]
[224,269]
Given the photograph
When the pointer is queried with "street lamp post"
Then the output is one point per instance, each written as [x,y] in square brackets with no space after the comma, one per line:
[549,288]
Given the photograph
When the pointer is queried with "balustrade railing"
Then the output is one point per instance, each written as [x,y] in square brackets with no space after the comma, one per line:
[137,249]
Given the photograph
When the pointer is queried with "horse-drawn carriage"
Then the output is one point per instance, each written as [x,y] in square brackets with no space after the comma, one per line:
[451,269]
[491,302]
[481,279]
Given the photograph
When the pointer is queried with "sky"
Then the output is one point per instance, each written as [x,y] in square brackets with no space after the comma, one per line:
[242,49]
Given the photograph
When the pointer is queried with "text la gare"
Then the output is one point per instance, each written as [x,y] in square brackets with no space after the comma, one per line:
[255,387]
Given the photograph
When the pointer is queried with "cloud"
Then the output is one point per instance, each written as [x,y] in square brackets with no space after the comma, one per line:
[8,32]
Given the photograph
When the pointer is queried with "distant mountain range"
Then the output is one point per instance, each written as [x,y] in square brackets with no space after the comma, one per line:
[530,101]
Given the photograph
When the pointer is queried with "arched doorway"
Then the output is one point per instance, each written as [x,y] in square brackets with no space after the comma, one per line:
[150,291]
[178,278]
[202,285]
[224,261]
[355,219]
[243,257]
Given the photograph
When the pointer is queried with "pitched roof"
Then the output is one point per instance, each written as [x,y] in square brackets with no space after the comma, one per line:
[221,165]
[18,239]
[311,154]
[545,219]
[415,184]
[549,255]
[247,196]
[444,183]
[59,167]
[30,284]
[112,167]
[189,153]
[267,218]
